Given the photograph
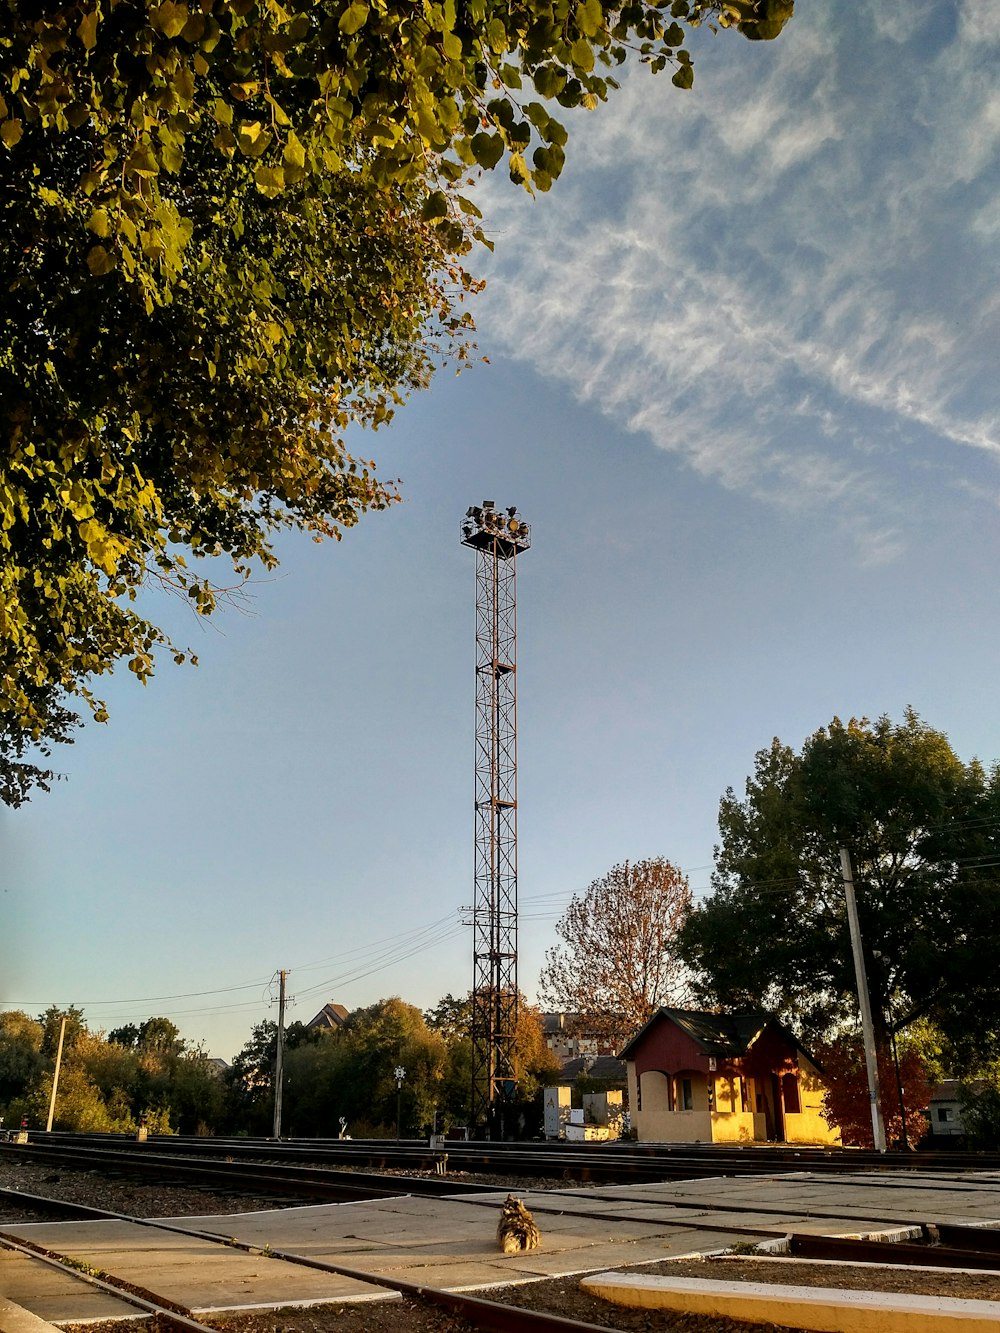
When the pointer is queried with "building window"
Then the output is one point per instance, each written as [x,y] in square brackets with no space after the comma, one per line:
[687,1095]
[944,1113]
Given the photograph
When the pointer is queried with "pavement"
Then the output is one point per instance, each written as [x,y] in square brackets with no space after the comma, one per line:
[451,1242]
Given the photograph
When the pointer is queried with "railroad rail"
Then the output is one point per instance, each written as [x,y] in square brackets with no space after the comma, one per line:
[622,1163]
[290,1181]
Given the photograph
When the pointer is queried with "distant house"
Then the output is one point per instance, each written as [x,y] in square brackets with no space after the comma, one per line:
[696,1077]
[944,1111]
[568,1036]
[330,1016]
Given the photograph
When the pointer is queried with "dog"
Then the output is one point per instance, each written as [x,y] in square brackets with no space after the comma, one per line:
[516,1229]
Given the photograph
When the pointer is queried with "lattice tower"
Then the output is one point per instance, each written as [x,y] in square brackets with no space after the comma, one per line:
[497,537]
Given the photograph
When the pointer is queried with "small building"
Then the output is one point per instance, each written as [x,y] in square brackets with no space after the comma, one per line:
[697,1077]
[572,1036]
[944,1111]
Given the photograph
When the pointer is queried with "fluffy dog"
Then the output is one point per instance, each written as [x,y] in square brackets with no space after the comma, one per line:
[516,1229]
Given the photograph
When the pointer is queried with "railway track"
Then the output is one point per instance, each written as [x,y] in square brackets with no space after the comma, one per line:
[284,1180]
[928,1243]
[939,1246]
[611,1163]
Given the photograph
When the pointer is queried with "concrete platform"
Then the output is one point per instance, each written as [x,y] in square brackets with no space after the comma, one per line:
[451,1242]
[827,1310]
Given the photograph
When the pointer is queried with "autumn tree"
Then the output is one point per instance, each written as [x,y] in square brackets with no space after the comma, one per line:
[618,959]
[922,828]
[903,1086]
[232,230]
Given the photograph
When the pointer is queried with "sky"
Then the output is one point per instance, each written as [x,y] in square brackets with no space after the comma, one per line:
[742,384]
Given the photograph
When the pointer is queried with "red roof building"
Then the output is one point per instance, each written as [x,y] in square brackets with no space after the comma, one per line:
[696,1077]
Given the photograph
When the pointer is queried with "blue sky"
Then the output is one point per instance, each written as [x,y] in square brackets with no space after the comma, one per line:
[743,385]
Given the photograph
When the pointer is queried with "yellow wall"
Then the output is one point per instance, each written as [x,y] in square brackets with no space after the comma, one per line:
[726,1119]
[655,1122]
[809,1126]
[732,1127]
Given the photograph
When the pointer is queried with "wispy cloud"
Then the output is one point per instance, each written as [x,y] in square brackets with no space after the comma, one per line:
[786,276]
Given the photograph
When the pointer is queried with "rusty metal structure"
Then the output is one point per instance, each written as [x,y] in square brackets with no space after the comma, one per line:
[497,537]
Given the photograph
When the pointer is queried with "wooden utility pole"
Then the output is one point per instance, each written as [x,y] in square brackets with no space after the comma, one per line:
[55,1076]
[279,1060]
[867,1026]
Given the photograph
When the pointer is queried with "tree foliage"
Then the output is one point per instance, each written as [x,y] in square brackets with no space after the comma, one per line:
[140,1072]
[618,961]
[922,830]
[21,1059]
[979,1100]
[232,229]
[847,1101]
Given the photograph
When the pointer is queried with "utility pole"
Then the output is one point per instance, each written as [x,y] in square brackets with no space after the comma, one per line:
[279,1060]
[867,1026]
[55,1076]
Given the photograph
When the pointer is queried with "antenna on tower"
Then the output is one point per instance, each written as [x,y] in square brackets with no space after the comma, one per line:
[497,536]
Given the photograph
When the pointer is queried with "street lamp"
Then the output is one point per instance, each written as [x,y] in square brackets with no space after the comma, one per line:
[399,1073]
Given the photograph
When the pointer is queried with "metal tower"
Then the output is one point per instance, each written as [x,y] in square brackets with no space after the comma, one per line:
[497,537]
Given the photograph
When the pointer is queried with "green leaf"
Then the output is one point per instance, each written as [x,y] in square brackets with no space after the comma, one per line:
[590,17]
[518,169]
[435,206]
[170,18]
[487,149]
[253,138]
[354,17]
[683,77]
[99,222]
[87,30]
[270,180]
[582,56]
[10,132]
[99,261]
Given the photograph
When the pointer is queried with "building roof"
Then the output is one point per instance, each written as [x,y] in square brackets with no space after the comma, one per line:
[723,1035]
[330,1016]
[605,1067]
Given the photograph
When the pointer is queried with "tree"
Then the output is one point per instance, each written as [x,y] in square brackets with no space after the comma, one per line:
[231,231]
[922,829]
[618,961]
[21,1059]
[155,1034]
[847,1104]
[250,1077]
[349,1072]
[51,1022]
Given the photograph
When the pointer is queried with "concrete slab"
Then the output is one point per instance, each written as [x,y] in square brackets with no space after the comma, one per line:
[196,1274]
[827,1311]
[14,1319]
[451,1242]
[54,1296]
